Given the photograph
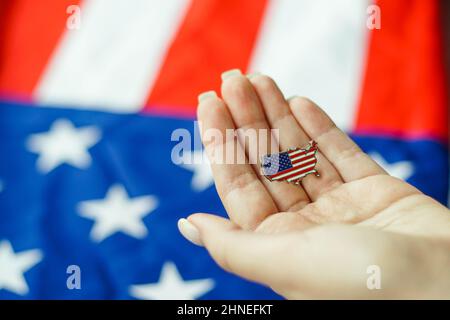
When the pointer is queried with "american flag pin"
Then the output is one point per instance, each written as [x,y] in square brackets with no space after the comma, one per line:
[291,165]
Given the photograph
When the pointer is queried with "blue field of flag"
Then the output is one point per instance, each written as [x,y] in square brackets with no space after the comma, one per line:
[42,219]
[110,206]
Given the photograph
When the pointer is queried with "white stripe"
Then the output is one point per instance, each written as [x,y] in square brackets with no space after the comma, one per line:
[315,49]
[301,176]
[293,153]
[303,156]
[112,61]
[294,171]
[302,162]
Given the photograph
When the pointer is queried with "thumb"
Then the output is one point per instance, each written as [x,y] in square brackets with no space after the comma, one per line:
[326,261]
[254,256]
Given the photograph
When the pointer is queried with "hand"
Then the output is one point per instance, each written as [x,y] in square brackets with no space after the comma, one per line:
[316,240]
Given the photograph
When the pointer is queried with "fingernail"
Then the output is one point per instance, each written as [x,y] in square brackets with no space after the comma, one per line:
[230,73]
[189,231]
[206,95]
[253,74]
[290,98]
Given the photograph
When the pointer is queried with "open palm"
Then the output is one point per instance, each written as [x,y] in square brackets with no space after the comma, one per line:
[316,239]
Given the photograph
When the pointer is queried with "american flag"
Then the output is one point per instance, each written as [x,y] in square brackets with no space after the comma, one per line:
[88,107]
[292,165]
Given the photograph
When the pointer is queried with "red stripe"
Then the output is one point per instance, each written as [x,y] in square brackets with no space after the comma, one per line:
[303,159]
[404,87]
[30,32]
[215,36]
[298,173]
[296,155]
[301,153]
[293,168]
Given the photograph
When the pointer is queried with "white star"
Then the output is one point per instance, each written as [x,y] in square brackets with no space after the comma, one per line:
[402,169]
[13,266]
[171,286]
[198,163]
[117,212]
[63,143]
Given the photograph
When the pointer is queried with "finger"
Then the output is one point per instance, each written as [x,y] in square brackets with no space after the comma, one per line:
[254,256]
[245,198]
[319,261]
[349,160]
[249,118]
[292,135]
[324,262]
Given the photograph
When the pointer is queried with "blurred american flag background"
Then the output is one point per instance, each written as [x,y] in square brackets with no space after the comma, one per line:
[92,90]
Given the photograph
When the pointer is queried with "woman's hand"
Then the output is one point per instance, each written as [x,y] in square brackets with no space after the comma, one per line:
[321,238]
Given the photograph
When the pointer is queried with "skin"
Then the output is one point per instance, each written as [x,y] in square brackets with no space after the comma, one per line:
[317,240]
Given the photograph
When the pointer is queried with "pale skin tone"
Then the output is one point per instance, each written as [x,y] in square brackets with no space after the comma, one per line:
[317,240]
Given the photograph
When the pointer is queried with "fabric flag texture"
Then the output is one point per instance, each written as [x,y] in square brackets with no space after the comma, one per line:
[91,92]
